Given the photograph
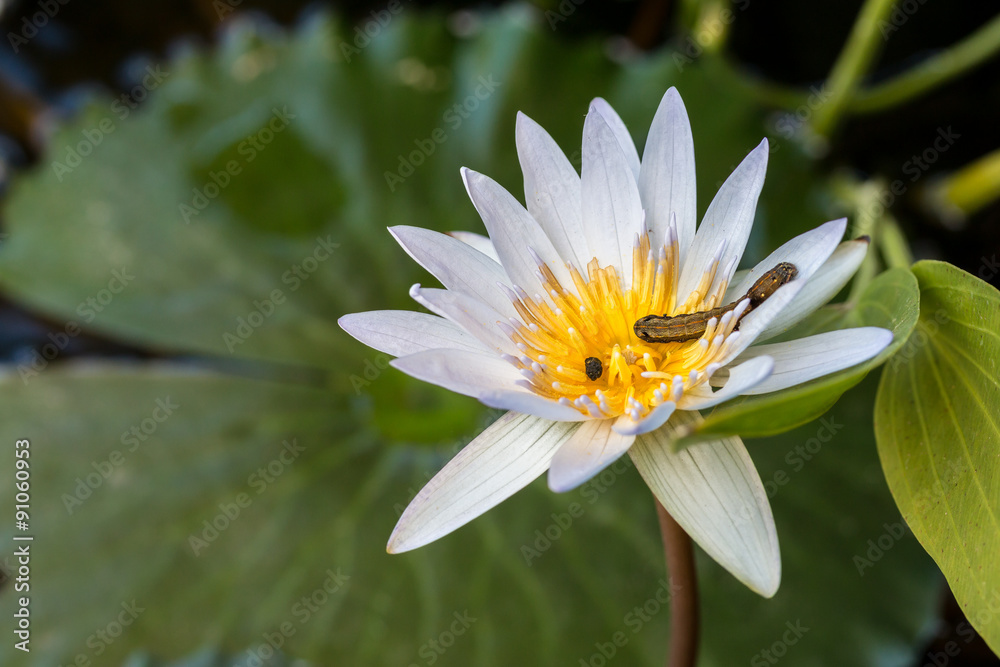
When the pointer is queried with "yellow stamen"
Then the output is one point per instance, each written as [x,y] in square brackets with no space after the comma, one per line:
[560,329]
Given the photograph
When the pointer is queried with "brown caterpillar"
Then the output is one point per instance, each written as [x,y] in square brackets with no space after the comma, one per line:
[664,329]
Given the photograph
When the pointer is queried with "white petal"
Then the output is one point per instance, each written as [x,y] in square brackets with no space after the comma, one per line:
[532,404]
[587,452]
[461,371]
[621,133]
[473,316]
[741,379]
[714,492]
[808,358]
[656,418]
[479,242]
[502,460]
[728,219]
[552,190]
[828,280]
[810,249]
[612,210]
[515,234]
[402,332]
[667,177]
[459,268]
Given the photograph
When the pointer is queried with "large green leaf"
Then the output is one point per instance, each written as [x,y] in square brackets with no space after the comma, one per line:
[938,430]
[561,574]
[890,301]
[306,213]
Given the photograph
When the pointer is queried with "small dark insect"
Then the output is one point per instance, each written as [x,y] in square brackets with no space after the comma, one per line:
[663,329]
[593,367]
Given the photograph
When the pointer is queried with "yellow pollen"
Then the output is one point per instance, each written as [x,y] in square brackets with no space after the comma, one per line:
[558,332]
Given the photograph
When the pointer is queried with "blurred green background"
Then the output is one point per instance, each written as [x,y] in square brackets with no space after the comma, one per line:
[194,192]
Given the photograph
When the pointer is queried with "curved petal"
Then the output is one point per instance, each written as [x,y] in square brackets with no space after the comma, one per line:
[667,176]
[552,190]
[621,133]
[742,378]
[459,268]
[478,242]
[402,332]
[808,358]
[461,371]
[531,404]
[592,448]
[809,249]
[714,492]
[502,460]
[653,420]
[471,315]
[828,280]
[612,210]
[726,224]
[517,236]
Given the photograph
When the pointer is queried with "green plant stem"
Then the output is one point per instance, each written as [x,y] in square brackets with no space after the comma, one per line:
[969,189]
[769,93]
[852,64]
[863,198]
[940,68]
[970,52]
[892,243]
[679,554]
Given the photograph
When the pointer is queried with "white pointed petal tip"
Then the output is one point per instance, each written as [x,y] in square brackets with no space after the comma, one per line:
[884,339]
[466,174]
[840,222]
[600,106]
[758,157]
[869,343]
[356,326]
[766,586]
[524,123]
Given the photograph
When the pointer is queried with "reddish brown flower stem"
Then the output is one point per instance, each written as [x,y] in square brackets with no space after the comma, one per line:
[683,591]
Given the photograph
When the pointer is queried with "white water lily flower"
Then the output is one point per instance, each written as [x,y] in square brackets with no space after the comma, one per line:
[563,281]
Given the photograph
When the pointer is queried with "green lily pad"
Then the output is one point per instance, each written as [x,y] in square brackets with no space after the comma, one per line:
[890,301]
[938,430]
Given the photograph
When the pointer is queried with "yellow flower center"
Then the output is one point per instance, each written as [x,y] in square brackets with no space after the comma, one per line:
[557,335]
